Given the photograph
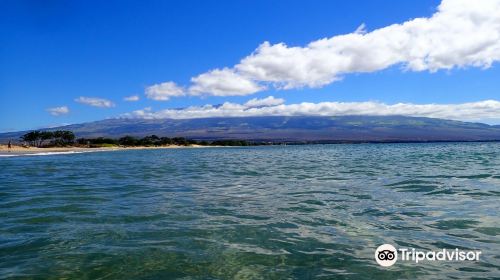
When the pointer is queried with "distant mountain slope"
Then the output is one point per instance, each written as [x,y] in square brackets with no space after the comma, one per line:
[328,129]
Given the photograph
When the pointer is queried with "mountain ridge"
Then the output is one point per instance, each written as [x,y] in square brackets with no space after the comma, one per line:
[288,129]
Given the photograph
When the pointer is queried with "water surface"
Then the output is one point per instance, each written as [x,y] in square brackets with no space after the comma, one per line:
[294,212]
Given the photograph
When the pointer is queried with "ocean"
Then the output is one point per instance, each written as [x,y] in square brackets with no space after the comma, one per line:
[267,212]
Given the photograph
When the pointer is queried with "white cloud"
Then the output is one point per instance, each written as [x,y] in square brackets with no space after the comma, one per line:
[462,33]
[57,111]
[361,29]
[132,98]
[223,82]
[264,102]
[94,101]
[53,125]
[474,111]
[163,91]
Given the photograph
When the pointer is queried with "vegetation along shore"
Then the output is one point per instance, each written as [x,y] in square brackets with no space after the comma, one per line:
[66,139]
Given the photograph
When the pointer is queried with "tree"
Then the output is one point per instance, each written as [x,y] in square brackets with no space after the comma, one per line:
[44,136]
[150,140]
[181,141]
[31,137]
[67,137]
[127,141]
[58,137]
[165,141]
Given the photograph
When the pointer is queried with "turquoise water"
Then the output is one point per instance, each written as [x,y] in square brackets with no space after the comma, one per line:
[292,212]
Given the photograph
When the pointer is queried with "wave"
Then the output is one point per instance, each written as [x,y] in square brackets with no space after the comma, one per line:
[45,153]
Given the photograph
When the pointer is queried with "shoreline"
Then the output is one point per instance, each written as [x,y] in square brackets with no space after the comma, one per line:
[27,151]
[33,151]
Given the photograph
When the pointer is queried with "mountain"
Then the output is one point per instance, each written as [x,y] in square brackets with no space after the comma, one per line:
[292,129]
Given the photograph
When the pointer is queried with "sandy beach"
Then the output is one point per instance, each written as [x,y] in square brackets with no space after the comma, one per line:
[20,150]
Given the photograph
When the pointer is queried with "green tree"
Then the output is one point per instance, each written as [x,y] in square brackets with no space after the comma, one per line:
[181,141]
[128,141]
[32,138]
[165,141]
[152,140]
[68,137]
[45,136]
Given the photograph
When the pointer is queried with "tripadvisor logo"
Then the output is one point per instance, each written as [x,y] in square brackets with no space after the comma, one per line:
[387,255]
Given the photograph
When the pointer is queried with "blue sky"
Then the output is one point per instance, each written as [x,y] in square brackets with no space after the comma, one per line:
[53,52]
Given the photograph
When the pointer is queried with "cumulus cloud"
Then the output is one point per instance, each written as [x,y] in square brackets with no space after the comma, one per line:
[132,98]
[164,91]
[473,111]
[225,82]
[94,101]
[462,33]
[264,102]
[57,111]
[361,29]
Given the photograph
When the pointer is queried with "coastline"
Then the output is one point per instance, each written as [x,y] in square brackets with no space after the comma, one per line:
[17,150]
[27,151]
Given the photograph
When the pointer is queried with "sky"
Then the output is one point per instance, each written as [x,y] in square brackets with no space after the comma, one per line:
[65,62]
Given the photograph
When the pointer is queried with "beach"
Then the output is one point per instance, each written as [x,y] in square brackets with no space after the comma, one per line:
[17,150]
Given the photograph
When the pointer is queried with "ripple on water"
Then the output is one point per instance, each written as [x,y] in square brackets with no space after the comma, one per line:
[294,212]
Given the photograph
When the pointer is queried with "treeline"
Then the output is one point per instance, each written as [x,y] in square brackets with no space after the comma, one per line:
[53,138]
[130,141]
[67,138]
[154,140]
